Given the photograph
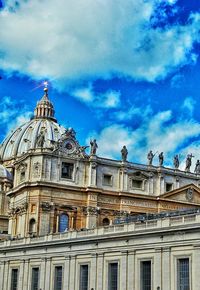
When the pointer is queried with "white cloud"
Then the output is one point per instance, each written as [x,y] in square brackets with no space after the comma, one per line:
[11,114]
[69,40]
[109,99]
[156,133]
[189,105]
[131,112]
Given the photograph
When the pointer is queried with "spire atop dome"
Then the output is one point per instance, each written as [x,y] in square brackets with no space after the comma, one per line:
[44,108]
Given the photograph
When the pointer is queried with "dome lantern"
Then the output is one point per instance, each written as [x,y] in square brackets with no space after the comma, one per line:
[44,108]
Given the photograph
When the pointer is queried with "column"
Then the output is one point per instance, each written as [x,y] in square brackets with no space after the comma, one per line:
[131,270]
[6,275]
[72,272]
[157,280]
[123,178]
[66,273]
[26,275]
[100,267]
[166,267]
[161,183]
[2,267]
[42,274]
[93,272]
[93,171]
[48,274]
[194,268]
[123,271]
[21,274]
[151,183]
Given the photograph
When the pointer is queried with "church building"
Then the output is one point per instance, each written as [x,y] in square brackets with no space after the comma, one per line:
[73,220]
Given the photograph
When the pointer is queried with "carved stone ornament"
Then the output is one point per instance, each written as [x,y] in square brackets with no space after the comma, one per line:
[68,145]
[36,169]
[46,206]
[22,167]
[190,194]
[94,165]
[18,210]
[91,210]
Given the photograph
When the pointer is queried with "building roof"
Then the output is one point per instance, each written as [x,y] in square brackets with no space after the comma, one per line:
[4,173]
[41,131]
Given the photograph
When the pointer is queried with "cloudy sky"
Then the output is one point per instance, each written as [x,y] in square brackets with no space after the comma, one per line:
[123,72]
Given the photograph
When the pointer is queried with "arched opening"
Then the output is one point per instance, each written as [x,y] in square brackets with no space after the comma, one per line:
[32,226]
[106,222]
[63,223]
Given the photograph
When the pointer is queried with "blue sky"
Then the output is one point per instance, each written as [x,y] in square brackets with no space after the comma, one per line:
[123,72]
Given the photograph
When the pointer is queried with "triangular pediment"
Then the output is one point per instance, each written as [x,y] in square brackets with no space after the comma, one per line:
[138,174]
[187,193]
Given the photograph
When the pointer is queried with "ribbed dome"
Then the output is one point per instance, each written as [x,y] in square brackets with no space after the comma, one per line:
[4,173]
[42,131]
[25,137]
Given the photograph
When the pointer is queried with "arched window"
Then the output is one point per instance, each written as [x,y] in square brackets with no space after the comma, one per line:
[32,226]
[63,223]
[106,222]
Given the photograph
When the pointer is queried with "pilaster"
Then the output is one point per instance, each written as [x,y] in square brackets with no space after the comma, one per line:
[123,271]
[72,272]
[166,268]
[100,267]
[67,273]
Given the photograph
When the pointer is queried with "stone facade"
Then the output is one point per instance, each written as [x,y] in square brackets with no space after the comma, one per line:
[54,179]
[162,242]
[60,205]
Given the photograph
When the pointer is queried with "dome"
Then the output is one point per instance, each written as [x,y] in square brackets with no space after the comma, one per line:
[4,173]
[26,137]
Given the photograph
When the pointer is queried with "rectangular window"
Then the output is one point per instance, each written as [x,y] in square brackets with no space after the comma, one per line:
[137,183]
[35,279]
[107,179]
[113,276]
[169,186]
[83,277]
[58,278]
[146,275]
[22,175]
[67,170]
[14,279]
[183,279]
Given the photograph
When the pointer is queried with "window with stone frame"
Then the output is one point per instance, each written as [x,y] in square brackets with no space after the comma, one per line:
[67,170]
[107,179]
[136,183]
[58,276]
[14,279]
[146,275]
[168,186]
[35,278]
[113,276]
[84,277]
[183,274]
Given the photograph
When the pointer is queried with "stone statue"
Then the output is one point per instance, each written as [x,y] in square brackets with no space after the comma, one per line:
[176,161]
[197,167]
[93,147]
[161,159]
[124,153]
[81,151]
[40,139]
[188,162]
[150,157]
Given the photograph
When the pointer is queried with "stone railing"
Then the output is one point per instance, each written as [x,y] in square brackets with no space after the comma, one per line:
[125,228]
